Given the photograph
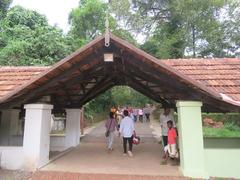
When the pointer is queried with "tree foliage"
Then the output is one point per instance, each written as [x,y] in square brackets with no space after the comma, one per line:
[117,96]
[4,5]
[27,39]
[183,27]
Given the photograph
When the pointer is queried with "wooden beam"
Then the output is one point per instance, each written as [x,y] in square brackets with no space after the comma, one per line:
[28,94]
[98,92]
[101,83]
[158,78]
[147,91]
[53,82]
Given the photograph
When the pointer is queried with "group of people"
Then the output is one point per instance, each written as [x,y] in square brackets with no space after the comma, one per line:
[125,129]
[137,114]
[142,114]
[123,122]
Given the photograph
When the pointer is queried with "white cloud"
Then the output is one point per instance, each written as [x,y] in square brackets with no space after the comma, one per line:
[56,11]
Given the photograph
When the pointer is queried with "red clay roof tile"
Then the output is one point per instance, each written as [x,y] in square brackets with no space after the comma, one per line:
[13,77]
[220,75]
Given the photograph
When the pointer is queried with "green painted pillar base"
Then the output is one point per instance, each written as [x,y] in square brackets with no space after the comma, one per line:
[192,156]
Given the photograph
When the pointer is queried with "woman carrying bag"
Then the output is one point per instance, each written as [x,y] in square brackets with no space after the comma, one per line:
[111,125]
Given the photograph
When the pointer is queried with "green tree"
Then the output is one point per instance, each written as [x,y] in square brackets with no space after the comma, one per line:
[183,27]
[4,5]
[88,20]
[27,39]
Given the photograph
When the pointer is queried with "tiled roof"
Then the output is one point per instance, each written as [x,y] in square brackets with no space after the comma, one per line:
[13,77]
[220,75]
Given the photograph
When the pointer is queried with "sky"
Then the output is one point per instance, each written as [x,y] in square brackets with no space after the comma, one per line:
[56,11]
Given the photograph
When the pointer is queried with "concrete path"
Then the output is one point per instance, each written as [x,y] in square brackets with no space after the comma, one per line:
[51,175]
[91,155]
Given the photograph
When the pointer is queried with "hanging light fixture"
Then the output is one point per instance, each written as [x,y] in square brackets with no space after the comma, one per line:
[108,57]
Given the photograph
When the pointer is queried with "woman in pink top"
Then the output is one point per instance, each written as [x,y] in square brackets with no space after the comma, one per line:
[111,125]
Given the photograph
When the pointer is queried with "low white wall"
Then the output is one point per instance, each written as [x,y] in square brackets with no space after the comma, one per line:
[11,157]
[57,142]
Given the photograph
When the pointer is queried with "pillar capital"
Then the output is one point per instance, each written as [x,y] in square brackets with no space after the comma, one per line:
[73,110]
[38,106]
[189,103]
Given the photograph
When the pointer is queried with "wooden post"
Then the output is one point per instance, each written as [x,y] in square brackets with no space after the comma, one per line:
[82,121]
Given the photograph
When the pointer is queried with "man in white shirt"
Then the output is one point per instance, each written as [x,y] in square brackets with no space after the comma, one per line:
[164,118]
[127,130]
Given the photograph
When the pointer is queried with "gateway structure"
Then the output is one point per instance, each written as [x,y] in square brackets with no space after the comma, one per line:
[192,85]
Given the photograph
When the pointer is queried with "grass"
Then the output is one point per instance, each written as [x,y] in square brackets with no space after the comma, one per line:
[231,127]
[231,124]
[97,117]
[223,132]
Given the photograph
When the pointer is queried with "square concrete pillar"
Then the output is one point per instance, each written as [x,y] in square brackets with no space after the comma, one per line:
[72,133]
[191,139]
[9,125]
[36,140]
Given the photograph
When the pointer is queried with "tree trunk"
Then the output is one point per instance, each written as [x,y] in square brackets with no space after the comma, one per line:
[193,41]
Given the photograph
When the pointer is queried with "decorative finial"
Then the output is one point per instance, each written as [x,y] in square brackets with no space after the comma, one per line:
[107,35]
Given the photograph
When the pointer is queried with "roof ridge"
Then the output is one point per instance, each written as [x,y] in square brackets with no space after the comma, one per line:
[198,59]
[23,67]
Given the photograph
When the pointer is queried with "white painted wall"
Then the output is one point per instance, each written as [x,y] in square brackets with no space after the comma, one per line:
[72,132]
[57,142]
[36,140]
[11,157]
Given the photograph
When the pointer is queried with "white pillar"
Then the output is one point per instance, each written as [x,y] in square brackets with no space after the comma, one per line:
[36,140]
[72,134]
[9,125]
[192,157]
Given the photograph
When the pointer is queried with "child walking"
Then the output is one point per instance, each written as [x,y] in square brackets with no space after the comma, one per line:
[171,149]
[127,131]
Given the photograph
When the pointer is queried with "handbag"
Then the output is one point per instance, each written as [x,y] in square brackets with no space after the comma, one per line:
[108,132]
[136,139]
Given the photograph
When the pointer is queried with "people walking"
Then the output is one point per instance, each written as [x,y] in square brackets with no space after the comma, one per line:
[135,114]
[140,113]
[147,111]
[111,125]
[164,118]
[127,131]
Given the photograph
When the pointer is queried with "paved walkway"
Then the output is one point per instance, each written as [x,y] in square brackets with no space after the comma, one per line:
[46,175]
[91,156]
